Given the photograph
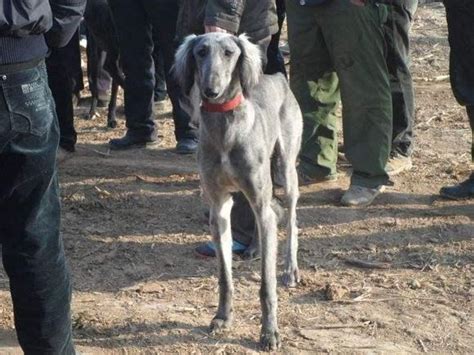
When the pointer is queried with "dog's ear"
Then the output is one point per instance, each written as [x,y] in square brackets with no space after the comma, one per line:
[250,63]
[184,64]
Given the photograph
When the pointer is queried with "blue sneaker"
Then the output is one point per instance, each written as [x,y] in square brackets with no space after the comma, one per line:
[209,249]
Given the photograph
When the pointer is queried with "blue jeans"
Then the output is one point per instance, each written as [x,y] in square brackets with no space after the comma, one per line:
[32,249]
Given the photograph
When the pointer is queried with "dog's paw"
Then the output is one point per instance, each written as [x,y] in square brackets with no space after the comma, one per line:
[252,252]
[291,277]
[112,124]
[270,340]
[219,326]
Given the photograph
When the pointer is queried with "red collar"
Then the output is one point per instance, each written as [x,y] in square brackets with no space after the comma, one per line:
[224,107]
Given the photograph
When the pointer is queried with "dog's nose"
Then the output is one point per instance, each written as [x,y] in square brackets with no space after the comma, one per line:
[210,93]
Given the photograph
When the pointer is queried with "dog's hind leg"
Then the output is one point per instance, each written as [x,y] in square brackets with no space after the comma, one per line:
[291,274]
[111,119]
[219,221]
[93,67]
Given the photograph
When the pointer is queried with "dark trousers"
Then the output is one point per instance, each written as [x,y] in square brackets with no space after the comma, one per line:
[64,72]
[275,60]
[96,54]
[460,15]
[32,249]
[338,55]
[136,20]
[396,33]
[104,81]
[160,77]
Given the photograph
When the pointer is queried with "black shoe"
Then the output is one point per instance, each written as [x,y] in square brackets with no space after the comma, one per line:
[102,103]
[187,146]
[130,141]
[461,191]
[160,97]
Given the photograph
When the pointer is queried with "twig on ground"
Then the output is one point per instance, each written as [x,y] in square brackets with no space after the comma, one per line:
[106,154]
[427,122]
[422,345]
[376,300]
[337,326]
[367,264]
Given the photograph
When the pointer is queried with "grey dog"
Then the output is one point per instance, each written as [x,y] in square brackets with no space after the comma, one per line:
[245,120]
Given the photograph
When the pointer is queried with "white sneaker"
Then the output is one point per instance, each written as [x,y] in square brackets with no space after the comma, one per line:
[360,196]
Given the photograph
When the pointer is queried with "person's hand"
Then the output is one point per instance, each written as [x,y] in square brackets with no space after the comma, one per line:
[214,29]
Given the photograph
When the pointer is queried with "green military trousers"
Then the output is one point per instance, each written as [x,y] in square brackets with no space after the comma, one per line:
[337,51]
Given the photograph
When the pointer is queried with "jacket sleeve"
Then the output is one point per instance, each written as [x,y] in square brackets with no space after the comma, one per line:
[67,15]
[225,14]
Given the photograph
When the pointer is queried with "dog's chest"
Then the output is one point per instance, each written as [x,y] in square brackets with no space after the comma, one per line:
[226,165]
[230,171]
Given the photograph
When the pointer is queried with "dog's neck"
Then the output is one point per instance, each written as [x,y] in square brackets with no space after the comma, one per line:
[226,106]
[229,101]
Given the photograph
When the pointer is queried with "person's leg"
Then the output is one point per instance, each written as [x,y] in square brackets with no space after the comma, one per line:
[135,36]
[470,114]
[160,79]
[163,15]
[315,85]
[459,15]
[396,32]
[353,34]
[61,85]
[465,189]
[75,67]
[32,249]
[275,60]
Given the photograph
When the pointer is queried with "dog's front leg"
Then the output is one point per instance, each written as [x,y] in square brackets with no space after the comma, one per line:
[267,230]
[222,235]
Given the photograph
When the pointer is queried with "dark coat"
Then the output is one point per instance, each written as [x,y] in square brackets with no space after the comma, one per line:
[257,18]
[57,19]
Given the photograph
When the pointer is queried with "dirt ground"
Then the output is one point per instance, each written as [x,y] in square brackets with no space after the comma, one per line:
[131,221]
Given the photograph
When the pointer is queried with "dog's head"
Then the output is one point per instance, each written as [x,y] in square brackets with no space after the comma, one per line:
[215,61]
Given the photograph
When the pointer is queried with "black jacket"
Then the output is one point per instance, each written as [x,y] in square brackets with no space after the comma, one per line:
[28,27]
[257,18]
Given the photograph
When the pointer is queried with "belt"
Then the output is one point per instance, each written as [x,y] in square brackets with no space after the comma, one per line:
[16,67]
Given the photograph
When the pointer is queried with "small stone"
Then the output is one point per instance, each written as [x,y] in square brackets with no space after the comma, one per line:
[335,292]
[372,248]
[255,277]
[415,284]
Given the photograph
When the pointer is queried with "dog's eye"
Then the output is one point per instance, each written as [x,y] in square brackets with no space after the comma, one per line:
[202,52]
[228,53]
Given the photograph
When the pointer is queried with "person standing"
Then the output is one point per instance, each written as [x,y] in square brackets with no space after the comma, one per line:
[397,38]
[337,52]
[65,78]
[141,25]
[460,16]
[275,60]
[32,248]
